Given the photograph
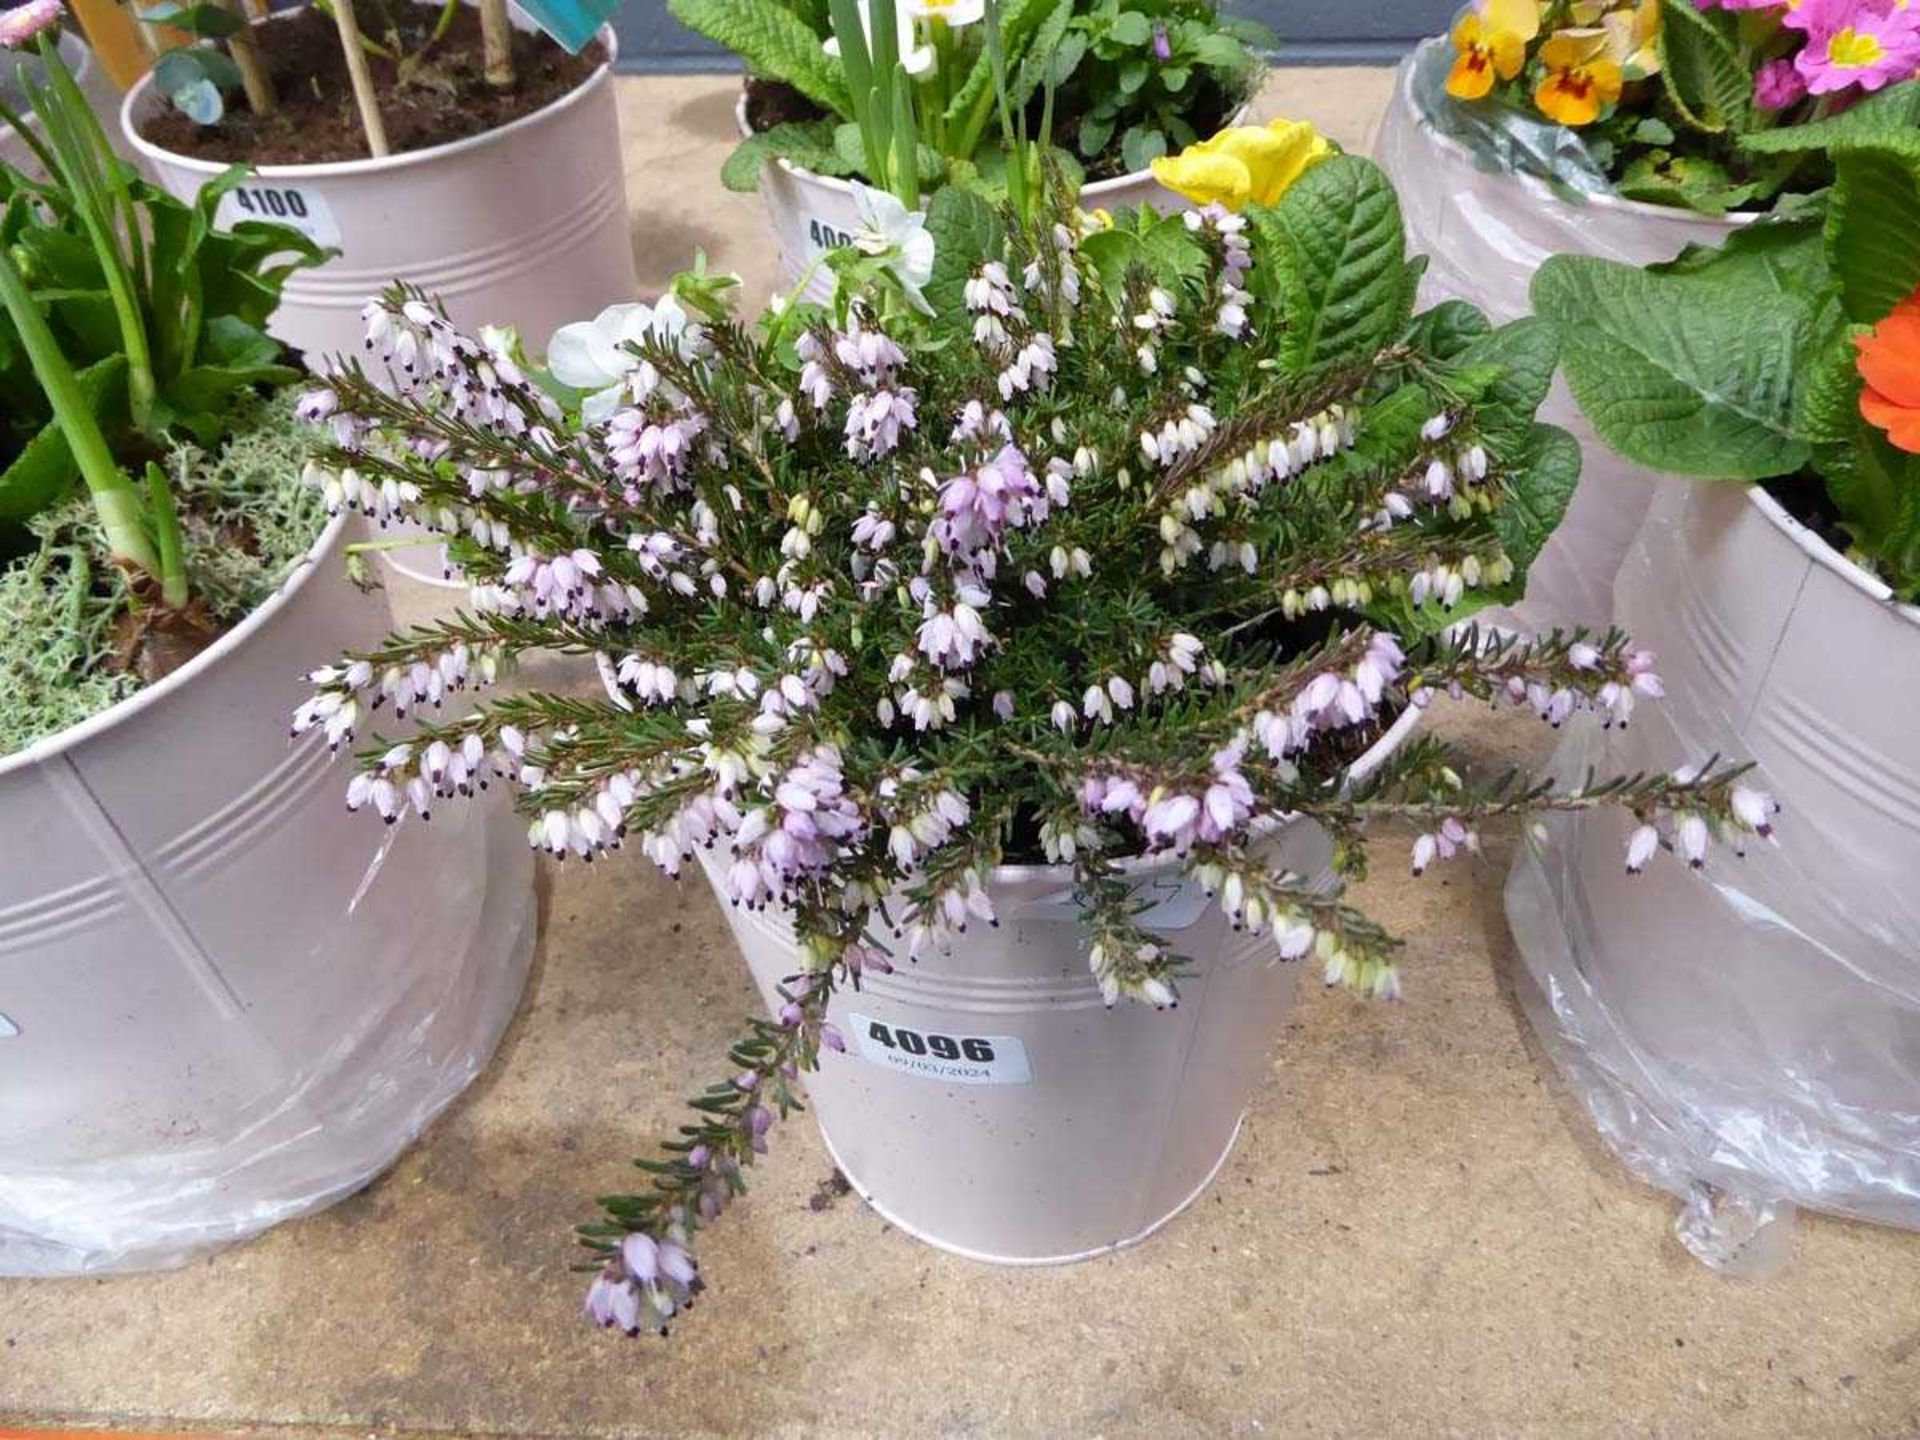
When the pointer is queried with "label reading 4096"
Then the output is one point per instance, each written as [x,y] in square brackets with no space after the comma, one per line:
[950,1056]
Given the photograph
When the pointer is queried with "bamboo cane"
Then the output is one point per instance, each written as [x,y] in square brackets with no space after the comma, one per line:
[362,77]
[496,34]
[246,58]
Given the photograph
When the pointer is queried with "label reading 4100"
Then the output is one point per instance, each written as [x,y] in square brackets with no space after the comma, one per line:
[945,1055]
[306,210]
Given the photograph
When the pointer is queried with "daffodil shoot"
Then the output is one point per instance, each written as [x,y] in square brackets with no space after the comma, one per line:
[911,95]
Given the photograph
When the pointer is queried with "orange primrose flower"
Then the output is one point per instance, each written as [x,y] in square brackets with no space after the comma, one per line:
[1582,78]
[1889,361]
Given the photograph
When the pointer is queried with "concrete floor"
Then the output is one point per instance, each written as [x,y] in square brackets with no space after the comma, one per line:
[1417,1233]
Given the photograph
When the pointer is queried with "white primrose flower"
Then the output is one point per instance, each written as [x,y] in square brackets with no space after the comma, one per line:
[592,355]
[952,13]
[889,230]
[914,58]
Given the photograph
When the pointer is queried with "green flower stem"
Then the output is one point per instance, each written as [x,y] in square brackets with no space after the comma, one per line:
[936,93]
[33,142]
[80,110]
[1012,126]
[167,538]
[104,204]
[374,47]
[115,498]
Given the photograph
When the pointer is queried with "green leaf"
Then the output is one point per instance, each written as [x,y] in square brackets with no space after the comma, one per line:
[1130,27]
[1889,117]
[209,22]
[1526,352]
[1112,254]
[1826,406]
[1705,74]
[1391,433]
[45,470]
[1049,56]
[850,146]
[1692,182]
[1778,256]
[1095,132]
[1221,52]
[1019,20]
[1539,487]
[1335,257]
[965,231]
[178,69]
[200,102]
[232,342]
[1170,250]
[1446,330]
[773,41]
[1679,373]
[849,156]
[1873,231]
[807,143]
[1877,489]
[1140,147]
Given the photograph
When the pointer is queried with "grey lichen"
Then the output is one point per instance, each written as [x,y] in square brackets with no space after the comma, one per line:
[248,520]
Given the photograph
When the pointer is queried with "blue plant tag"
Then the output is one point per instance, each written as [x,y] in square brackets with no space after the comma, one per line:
[571,22]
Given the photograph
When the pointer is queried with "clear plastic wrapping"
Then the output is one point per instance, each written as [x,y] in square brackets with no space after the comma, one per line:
[1747,1036]
[1486,227]
[224,1001]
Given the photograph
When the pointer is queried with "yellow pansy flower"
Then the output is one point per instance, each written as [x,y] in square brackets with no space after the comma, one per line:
[1491,42]
[1581,79]
[1633,37]
[1245,164]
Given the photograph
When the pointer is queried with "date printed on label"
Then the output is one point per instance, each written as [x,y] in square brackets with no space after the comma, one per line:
[947,1055]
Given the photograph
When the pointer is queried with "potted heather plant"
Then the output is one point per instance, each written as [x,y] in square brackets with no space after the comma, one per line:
[849,102]
[1751,1035]
[1019,646]
[1626,130]
[391,136]
[159,556]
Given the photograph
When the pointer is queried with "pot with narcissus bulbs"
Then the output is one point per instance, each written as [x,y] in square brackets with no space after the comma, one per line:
[876,98]
[1020,649]
[484,161]
[1748,1038]
[1628,130]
